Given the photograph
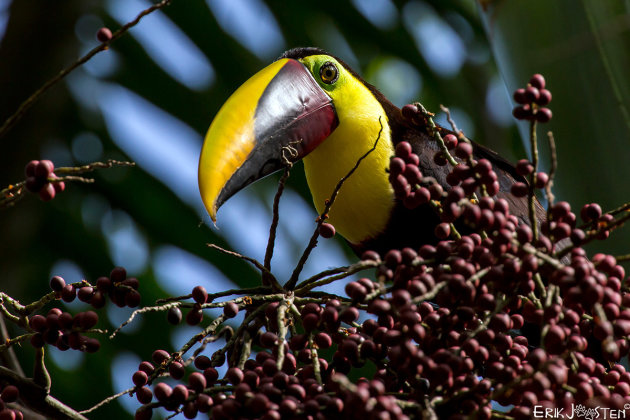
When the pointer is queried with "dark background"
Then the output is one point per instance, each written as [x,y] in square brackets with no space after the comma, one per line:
[151,97]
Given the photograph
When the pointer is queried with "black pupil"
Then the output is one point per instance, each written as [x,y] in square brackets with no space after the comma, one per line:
[329,73]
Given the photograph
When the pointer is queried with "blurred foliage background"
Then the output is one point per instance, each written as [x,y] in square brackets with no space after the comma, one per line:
[151,97]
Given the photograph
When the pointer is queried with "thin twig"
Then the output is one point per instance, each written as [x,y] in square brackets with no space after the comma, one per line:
[17,115]
[10,342]
[436,133]
[253,261]
[144,310]
[344,272]
[451,121]
[107,401]
[348,270]
[532,180]
[552,170]
[282,328]
[91,167]
[274,224]
[315,359]
[290,285]
[213,296]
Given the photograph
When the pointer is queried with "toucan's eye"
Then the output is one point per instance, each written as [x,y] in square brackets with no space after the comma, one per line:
[329,73]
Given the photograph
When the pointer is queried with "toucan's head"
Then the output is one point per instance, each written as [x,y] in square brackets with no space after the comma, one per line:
[282,114]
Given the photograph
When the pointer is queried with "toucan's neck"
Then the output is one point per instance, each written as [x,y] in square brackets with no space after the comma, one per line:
[366,200]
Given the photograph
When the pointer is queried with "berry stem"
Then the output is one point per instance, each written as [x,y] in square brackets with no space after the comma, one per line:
[552,170]
[246,349]
[282,329]
[532,179]
[108,400]
[13,341]
[315,359]
[435,133]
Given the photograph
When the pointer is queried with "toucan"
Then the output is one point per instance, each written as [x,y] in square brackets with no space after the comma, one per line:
[312,106]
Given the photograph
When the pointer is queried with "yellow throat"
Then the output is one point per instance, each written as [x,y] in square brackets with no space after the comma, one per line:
[365,202]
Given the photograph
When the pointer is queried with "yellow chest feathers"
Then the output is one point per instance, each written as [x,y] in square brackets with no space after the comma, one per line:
[366,199]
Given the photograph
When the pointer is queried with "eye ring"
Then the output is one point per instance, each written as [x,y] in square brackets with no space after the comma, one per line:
[329,73]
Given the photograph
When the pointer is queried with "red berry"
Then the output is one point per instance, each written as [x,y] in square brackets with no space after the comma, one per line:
[544,98]
[159,356]
[47,192]
[68,293]
[194,316]
[442,230]
[450,140]
[140,378]
[202,362]
[162,391]
[464,150]
[522,112]
[541,180]
[118,274]
[174,316]
[29,169]
[44,168]
[396,166]
[180,394]
[199,294]
[532,94]
[144,395]
[234,375]
[537,81]
[147,367]
[57,283]
[524,167]
[409,111]
[230,309]
[59,186]
[176,370]
[403,150]
[104,35]
[10,394]
[543,115]
[519,189]
[519,96]
[88,319]
[326,230]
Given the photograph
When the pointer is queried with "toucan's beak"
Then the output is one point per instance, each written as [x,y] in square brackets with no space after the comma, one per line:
[280,114]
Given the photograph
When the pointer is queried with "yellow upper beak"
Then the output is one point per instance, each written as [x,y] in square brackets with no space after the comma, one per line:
[280,106]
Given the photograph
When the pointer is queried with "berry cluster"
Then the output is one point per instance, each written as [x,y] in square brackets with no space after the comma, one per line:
[38,175]
[525,168]
[495,314]
[532,101]
[413,189]
[267,389]
[10,394]
[63,330]
[122,291]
